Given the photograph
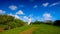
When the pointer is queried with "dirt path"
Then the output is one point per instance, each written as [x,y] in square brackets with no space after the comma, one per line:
[28,31]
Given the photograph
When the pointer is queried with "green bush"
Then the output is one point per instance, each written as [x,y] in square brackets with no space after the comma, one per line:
[9,22]
[36,22]
[57,23]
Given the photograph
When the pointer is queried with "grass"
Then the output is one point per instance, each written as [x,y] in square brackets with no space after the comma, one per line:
[15,30]
[47,29]
[42,29]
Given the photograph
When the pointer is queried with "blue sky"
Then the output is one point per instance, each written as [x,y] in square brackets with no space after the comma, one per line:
[36,9]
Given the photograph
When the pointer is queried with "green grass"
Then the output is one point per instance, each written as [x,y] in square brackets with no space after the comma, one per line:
[47,29]
[15,30]
[42,29]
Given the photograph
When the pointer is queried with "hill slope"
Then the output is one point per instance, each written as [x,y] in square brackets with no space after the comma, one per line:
[16,30]
[42,29]
[47,29]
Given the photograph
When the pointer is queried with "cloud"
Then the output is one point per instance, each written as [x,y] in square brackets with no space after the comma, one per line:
[20,12]
[25,17]
[54,4]
[47,16]
[13,7]
[16,16]
[2,11]
[11,14]
[35,6]
[45,4]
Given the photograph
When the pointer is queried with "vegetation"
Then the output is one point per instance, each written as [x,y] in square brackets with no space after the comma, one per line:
[47,29]
[9,22]
[15,30]
[49,22]
[42,29]
[36,22]
[57,23]
[11,25]
[4,19]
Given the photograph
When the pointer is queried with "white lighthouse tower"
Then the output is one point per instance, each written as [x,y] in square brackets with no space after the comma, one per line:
[29,21]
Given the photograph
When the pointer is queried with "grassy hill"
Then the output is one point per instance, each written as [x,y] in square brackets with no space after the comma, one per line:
[15,30]
[42,29]
[47,29]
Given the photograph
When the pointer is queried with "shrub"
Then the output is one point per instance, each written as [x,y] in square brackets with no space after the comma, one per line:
[9,22]
[36,22]
[57,23]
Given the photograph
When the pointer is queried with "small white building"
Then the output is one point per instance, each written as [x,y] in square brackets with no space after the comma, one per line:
[29,21]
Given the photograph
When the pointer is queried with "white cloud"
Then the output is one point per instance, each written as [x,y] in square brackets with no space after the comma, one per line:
[25,17]
[54,4]
[16,16]
[20,12]
[47,16]
[45,4]
[11,14]
[2,11]
[13,7]
[35,6]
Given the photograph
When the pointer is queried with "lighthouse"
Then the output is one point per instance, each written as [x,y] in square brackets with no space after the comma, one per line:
[29,21]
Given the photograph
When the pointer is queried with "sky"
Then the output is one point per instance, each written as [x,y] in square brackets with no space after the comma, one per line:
[40,10]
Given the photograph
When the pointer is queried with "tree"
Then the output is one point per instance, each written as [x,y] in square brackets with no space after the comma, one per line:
[9,22]
[57,23]
[5,19]
[19,22]
[49,22]
[37,22]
